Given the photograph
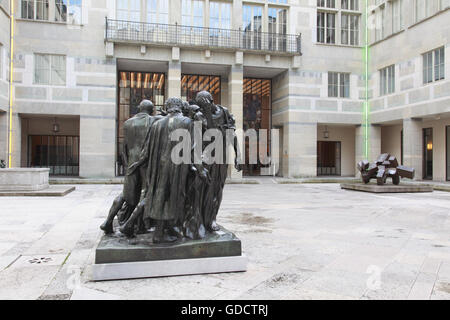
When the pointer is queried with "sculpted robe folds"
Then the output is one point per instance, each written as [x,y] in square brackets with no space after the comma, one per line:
[166,191]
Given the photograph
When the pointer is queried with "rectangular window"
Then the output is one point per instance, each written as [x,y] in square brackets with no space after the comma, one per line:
[35,9]
[396,15]
[252,26]
[326,3]
[350,5]
[338,85]
[49,69]
[192,13]
[350,29]
[75,12]
[387,80]
[326,27]
[434,65]
[158,11]
[61,10]
[220,15]
[128,10]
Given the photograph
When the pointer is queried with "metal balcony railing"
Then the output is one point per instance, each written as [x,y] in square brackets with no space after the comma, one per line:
[189,36]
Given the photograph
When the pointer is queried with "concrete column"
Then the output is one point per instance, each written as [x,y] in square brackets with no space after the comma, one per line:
[412,145]
[374,143]
[235,105]
[174,79]
[97,146]
[300,149]
[3,136]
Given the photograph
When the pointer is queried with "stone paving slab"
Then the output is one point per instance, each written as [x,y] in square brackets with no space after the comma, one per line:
[302,241]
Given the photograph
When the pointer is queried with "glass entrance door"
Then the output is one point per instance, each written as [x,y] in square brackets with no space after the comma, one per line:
[328,158]
[133,88]
[191,84]
[428,153]
[59,153]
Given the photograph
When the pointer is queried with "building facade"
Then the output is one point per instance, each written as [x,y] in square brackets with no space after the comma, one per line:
[81,67]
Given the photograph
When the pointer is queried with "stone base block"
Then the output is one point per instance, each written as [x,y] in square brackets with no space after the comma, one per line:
[165,268]
[24,179]
[118,257]
[387,188]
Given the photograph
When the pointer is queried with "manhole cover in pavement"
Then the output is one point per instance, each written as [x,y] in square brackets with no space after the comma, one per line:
[40,260]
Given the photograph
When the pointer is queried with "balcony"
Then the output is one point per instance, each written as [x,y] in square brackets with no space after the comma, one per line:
[202,38]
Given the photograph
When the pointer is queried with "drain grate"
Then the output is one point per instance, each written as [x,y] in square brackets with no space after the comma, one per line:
[40,260]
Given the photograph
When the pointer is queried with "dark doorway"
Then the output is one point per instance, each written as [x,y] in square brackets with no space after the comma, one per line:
[447,150]
[328,158]
[427,154]
[257,115]
[133,88]
[59,153]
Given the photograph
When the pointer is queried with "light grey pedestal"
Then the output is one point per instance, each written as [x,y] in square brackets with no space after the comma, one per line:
[164,268]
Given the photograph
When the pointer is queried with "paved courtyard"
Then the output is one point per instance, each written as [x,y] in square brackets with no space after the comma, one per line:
[303,241]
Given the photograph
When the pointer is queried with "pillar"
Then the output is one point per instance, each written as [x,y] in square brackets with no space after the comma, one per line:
[412,145]
[174,79]
[299,149]
[235,105]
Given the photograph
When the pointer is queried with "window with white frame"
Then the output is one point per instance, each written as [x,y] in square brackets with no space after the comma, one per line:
[338,84]
[278,1]
[434,65]
[49,69]
[387,80]
[350,29]
[75,10]
[158,11]
[396,16]
[426,8]
[326,3]
[192,13]
[350,5]
[61,10]
[326,27]
[379,23]
[128,10]
[35,9]
[220,15]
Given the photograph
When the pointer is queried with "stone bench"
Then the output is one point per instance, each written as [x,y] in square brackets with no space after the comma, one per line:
[24,179]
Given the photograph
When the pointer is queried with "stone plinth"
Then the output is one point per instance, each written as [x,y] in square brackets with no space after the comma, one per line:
[117,257]
[387,188]
[24,179]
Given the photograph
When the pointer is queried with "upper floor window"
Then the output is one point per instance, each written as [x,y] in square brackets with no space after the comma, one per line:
[192,13]
[339,84]
[278,1]
[387,80]
[35,9]
[426,8]
[350,29]
[326,3]
[434,65]
[396,16]
[277,20]
[129,10]
[158,11]
[49,69]
[220,15]
[64,10]
[326,27]
[350,5]
[252,16]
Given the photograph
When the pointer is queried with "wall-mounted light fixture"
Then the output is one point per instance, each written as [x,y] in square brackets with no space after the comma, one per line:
[326,134]
[55,127]
[429,146]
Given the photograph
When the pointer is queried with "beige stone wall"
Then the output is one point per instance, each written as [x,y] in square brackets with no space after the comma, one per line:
[391,140]
[4,79]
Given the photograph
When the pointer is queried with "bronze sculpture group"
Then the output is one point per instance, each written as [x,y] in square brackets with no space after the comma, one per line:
[386,166]
[173,200]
